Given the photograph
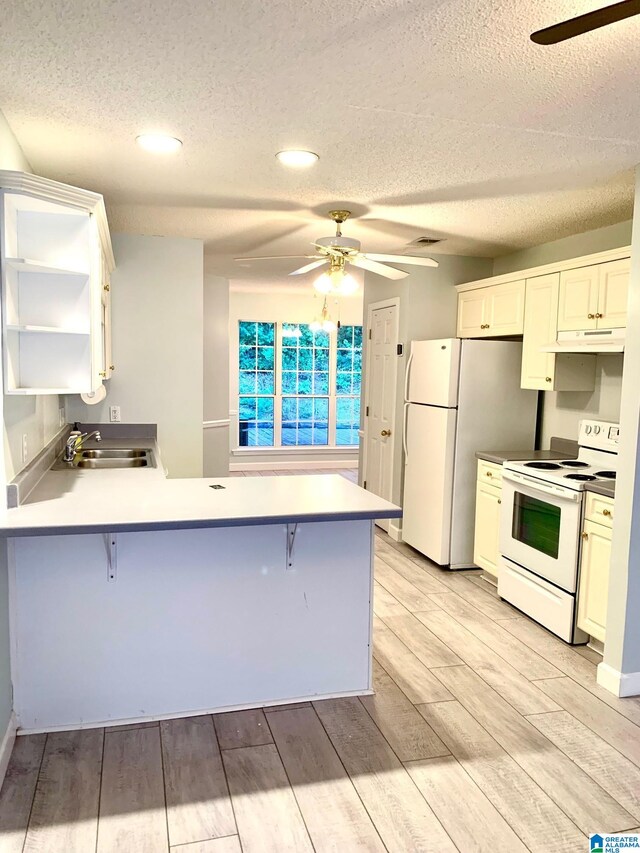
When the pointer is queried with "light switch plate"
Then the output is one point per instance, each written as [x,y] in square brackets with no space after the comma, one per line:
[114,414]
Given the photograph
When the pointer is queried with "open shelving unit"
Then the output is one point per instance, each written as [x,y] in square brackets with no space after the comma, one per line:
[53,260]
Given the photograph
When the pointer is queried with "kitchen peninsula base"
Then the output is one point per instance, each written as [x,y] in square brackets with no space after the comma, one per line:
[168,623]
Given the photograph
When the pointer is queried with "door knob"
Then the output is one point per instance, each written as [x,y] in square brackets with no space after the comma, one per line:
[385,433]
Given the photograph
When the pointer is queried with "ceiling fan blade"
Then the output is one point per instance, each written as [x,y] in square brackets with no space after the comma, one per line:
[308,267]
[373,266]
[277,258]
[403,259]
[586,23]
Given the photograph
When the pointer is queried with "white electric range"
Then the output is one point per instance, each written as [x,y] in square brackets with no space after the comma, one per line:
[540,525]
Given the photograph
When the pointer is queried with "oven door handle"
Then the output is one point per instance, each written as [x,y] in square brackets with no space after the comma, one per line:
[539,486]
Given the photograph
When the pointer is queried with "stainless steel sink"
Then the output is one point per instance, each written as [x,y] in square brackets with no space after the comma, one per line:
[98,458]
[111,462]
[113,454]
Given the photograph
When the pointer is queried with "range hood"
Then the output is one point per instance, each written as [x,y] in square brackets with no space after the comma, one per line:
[590,340]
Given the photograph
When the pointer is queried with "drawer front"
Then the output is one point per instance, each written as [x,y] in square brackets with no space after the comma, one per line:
[600,509]
[548,605]
[489,472]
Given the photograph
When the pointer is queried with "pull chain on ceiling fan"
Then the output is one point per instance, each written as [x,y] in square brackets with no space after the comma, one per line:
[586,23]
[338,251]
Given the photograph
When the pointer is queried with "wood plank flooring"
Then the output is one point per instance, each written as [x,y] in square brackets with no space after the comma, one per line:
[486,734]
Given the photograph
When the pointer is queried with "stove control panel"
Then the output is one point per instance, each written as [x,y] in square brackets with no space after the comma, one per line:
[601,435]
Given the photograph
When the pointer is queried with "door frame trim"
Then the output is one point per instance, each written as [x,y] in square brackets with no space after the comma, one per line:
[391,302]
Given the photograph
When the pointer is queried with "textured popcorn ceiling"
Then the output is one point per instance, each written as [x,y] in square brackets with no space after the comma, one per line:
[434,117]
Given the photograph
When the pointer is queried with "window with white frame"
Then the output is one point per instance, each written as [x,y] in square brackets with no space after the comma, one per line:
[298,387]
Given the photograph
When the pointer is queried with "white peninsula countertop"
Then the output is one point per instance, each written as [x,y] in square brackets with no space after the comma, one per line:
[121,500]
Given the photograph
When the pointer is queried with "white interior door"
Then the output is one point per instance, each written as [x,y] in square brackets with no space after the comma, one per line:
[380,404]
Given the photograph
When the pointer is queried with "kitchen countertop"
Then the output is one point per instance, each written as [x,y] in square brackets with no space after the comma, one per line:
[602,487]
[500,456]
[561,448]
[121,500]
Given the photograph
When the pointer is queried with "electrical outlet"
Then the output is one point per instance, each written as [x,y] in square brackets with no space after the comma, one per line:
[114,414]
[61,417]
[25,449]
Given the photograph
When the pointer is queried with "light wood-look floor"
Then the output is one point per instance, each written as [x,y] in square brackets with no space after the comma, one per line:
[486,735]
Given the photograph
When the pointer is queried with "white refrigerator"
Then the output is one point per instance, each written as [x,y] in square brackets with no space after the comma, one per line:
[461,396]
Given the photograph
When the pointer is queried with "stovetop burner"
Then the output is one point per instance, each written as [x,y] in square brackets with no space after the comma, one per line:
[606,475]
[574,463]
[543,466]
[581,477]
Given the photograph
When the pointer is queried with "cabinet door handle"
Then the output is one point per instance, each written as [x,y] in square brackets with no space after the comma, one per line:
[112,367]
[548,379]
[103,373]
[499,500]
[591,316]
[107,288]
[607,513]
[489,474]
[585,535]
[599,316]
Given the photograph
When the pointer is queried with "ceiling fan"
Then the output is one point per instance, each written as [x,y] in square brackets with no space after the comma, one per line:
[586,23]
[337,251]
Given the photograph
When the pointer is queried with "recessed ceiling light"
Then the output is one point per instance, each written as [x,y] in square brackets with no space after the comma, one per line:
[297,159]
[159,143]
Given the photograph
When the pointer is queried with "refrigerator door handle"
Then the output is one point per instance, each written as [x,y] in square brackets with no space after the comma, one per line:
[404,432]
[406,377]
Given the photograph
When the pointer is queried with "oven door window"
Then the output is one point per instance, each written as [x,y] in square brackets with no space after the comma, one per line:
[536,523]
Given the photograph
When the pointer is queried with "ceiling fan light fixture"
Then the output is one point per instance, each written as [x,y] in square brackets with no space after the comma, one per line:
[348,286]
[323,283]
[297,159]
[159,143]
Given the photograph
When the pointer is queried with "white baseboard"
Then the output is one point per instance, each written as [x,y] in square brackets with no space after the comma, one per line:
[292,465]
[7,746]
[395,531]
[619,683]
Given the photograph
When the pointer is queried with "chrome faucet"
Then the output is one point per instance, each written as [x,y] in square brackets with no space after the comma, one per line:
[75,442]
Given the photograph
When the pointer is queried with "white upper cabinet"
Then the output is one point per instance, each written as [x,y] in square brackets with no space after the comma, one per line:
[472,308]
[51,265]
[578,303]
[495,311]
[613,294]
[594,297]
[506,308]
[545,371]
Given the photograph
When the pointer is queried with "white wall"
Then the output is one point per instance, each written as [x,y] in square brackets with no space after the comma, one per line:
[18,416]
[157,298]
[622,646]
[280,304]
[428,310]
[11,154]
[216,375]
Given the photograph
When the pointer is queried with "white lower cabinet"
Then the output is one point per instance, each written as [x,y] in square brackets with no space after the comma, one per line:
[487,525]
[593,589]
